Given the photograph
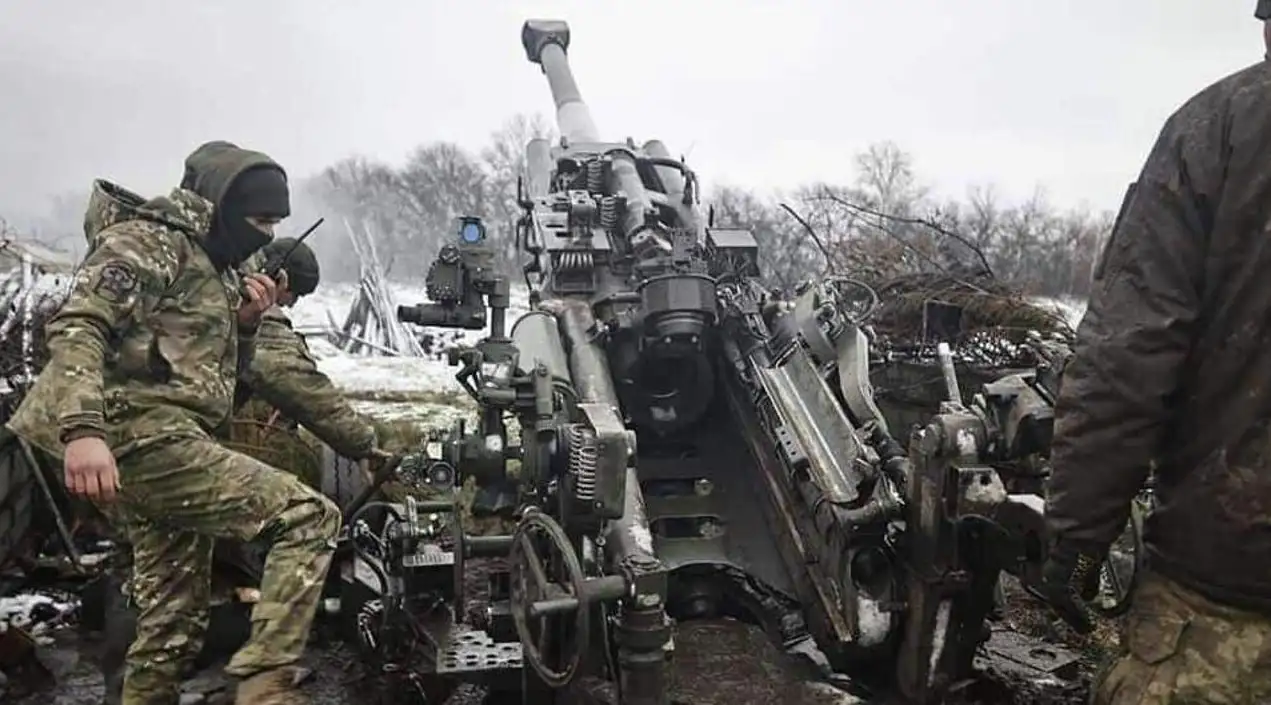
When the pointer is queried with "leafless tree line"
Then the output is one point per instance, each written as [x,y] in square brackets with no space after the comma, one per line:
[414,207]
[886,223]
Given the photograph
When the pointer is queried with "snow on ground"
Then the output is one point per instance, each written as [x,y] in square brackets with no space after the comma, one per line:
[1071,309]
[35,611]
[420,389]
[384,375]
[399,388]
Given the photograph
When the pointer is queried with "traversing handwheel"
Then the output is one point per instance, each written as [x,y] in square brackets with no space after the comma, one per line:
[542,589]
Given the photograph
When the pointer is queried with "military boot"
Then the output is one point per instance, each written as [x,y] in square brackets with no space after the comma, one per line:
[276,686]
[119,628]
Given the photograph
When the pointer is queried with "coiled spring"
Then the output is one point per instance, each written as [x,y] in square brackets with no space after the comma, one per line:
[584,456]
[573,261]
[608,212]
[595,176]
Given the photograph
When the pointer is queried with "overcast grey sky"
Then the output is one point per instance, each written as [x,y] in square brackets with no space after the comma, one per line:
[1068,95]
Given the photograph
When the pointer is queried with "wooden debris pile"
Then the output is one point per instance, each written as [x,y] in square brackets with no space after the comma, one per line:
[371,326]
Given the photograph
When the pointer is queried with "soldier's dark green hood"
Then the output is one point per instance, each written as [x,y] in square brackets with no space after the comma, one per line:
[238,183]
[214,166]
[194,207]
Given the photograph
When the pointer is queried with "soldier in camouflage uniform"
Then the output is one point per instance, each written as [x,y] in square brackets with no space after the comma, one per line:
[1173,365]
[284,375]
[144,355]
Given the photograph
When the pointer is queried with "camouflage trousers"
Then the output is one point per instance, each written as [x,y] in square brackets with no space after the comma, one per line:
[1183,649]
[178,498]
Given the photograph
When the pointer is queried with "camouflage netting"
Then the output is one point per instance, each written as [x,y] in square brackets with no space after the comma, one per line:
[995,320]
[989,340]
[986,304]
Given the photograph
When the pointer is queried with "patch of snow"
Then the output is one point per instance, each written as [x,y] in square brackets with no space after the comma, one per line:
[1071,309]
[875,623]
[29,611]
[965,441]
[831,694]
[642,537]
[939,636]
[426,414]
[372,374]
[388,374]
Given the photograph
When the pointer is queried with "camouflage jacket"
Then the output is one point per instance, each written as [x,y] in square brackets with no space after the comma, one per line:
[146,345]
[1173,357]
[285,375]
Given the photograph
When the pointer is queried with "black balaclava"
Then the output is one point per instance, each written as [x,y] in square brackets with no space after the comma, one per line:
[260,192]
[301,264]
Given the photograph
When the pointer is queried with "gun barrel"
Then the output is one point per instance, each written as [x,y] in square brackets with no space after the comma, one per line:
[538,167]
[546,42]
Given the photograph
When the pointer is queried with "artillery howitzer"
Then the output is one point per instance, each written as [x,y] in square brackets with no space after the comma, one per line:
[690,446]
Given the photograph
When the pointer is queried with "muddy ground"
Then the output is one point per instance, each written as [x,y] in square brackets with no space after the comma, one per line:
[718,662]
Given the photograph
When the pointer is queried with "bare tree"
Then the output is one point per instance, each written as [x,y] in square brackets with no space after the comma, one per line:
[504,160]
[786,254]
[440,182]
[368,194]
[885,223]
[885,175]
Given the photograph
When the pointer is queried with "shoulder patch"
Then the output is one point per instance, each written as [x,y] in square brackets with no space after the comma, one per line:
[116,281]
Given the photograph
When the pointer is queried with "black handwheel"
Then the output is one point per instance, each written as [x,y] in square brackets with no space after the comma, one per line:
[536,596]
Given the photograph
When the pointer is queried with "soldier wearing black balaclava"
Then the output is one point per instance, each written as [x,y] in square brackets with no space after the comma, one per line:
[246,195]
[285,376]
[1172,370]
[143,358]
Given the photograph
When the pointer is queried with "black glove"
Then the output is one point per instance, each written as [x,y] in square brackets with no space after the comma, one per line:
[1070,579]
[379,456]
[377,459]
